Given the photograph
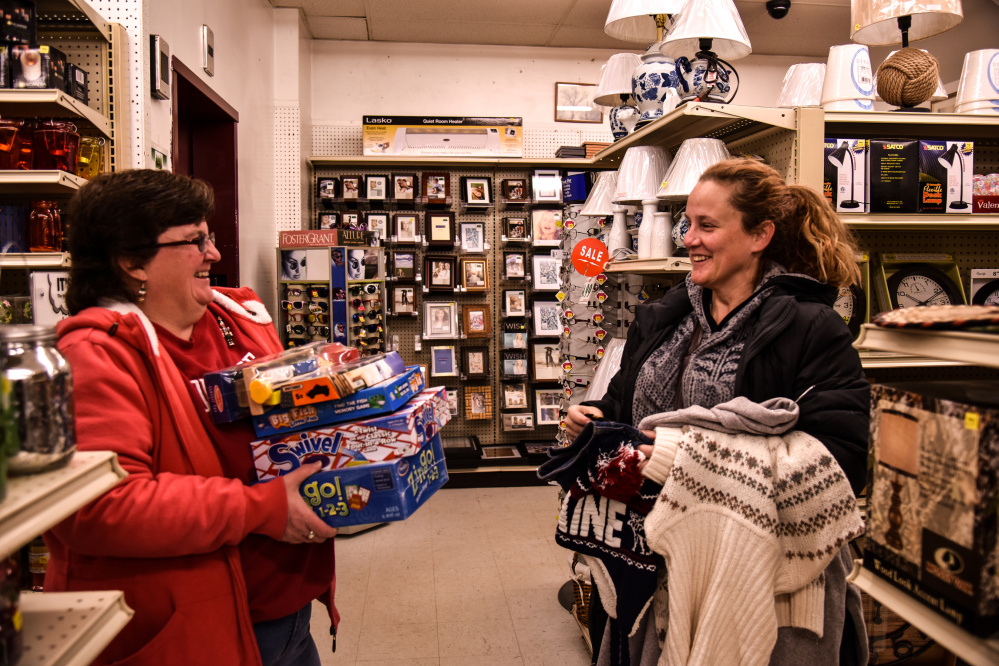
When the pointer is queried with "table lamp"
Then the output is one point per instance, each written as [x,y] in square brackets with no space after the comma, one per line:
[644,22]
[836,157]
[693,158]
[913,73]
[639,176]
[600,204]
[614,90]
[947,160]
[713,30]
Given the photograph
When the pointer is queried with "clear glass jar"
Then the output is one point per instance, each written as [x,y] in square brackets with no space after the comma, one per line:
[57,145]
[44,227]
[16,144]
[90,161]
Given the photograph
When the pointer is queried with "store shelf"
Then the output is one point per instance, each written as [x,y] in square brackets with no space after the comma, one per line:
[970,648]
[699,120]
[955,222]
[912,125]
[35,183]
[374,161]
[961,346]
[876,360]
[70,628]
[33,260]
[51,103]
[38,501]
[62,14]
[649,266]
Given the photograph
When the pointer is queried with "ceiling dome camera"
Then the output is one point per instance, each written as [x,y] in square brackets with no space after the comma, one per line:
[778,9]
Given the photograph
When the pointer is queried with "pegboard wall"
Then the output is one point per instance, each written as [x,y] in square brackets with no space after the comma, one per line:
[287,170]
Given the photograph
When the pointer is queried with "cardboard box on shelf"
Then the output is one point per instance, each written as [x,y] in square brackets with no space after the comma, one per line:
[893,175]
[845,174]
[933,492]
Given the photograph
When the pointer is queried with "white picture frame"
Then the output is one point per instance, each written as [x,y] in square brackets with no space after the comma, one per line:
[440,320]
[548,405]
[515,302]
[473,237]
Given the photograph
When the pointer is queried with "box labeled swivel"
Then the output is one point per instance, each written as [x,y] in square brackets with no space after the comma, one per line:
[845,174]
[933,496]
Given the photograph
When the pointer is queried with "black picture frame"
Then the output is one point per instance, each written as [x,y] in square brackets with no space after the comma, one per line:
[404,265]
[440,229]
[406,228]
[439,272]
[475,362]
[516,229]
[403,299]
[514,265]
[351,187]
[376,187]
[404,186]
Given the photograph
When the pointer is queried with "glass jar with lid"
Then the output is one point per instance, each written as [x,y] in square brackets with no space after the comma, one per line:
[44,227]
[57,145]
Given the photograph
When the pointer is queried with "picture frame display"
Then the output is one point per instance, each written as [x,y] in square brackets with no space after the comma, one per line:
[478,190]
[500,452]
[574,103]
[514,363]
[515,395]
[514,264]
[545,272]
[546,362]
[518,421]
[404,299]
[548,406]
[546,227]
[404,265]
[329,221]
[326,187]
[440,320]
[440,228]
[439,272]
[376,187]
[404,186]
[442,362]
[475,273]
[351,220]
[436,186]
[515,229]
[477,320]
[547,185]
[473,237]
[547,318]
[351,186]
[406,227]
[515,302]
[515,189]
[475,362]
[478,403]
[514,340]
[377,222]
[453,399]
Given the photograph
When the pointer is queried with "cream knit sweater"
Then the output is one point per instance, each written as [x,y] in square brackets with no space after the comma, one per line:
[747,523]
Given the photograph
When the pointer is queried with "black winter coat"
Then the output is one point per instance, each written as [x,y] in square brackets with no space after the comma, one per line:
[797,342]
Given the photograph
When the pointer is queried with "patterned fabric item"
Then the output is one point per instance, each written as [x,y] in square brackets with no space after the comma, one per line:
[742,519]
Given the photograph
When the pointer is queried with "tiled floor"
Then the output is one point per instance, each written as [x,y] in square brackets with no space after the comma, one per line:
[470,579]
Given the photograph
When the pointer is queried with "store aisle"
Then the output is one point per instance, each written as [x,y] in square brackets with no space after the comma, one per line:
[470,579]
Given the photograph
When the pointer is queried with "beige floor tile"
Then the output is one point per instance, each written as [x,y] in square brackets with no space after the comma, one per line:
[579,657]
[406,605]
[413,641]
[399,662]
[533,577]
[346,639]
[470,593]
[487,638]
[559,633]
[530,551]
[539,604]
[503,660]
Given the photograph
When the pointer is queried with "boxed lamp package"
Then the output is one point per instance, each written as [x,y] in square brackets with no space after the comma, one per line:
[374,440]
[37,67]
[893,176]
[845,174]
[946,176]
[933,492]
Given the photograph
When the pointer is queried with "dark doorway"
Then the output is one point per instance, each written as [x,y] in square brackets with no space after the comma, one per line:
[204,146]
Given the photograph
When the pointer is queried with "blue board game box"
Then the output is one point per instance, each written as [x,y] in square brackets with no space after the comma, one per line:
[377,492]
[382,398]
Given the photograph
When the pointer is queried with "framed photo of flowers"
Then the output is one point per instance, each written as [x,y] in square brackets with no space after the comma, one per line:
[475,362]
[440,228]
[478,403]
[439,272]
[474,273]
[477,320]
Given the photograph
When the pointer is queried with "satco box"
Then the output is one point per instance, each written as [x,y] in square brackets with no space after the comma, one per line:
[893,174]
[373,440]
[845,174]
[37,67]
[958,160]
[931,528]
[932,176]
[443,136]
[377,492]
[382,398]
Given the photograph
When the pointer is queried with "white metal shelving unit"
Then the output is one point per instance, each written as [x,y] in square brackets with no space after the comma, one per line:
[66,628]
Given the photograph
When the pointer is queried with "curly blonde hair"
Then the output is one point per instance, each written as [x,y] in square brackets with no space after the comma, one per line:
[808,238]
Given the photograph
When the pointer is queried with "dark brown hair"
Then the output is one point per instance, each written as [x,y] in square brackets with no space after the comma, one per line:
[118,215]
[808,237]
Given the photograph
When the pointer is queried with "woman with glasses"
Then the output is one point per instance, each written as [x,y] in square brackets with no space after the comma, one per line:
[754,318]
[293,265]
[219,569]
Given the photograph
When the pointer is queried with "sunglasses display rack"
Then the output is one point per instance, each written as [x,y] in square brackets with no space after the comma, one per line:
[366,316]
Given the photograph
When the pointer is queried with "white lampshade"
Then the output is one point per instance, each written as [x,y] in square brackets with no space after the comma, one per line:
[631,20]
[600,202]
[803,85]
[692,159]
[875,22]
[615,80]
[641,171]
[717,20]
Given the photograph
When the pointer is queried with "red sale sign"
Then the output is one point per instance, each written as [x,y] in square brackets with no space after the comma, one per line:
[589,257]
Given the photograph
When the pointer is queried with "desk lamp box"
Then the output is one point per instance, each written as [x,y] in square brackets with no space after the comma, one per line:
[844,169]
[934,494]
[946,171]
[893,174]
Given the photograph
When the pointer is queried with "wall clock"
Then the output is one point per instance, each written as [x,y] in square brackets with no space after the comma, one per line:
[913,285]
[987,294]
[851,305]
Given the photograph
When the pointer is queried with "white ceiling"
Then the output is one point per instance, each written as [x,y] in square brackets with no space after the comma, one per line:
[809,29]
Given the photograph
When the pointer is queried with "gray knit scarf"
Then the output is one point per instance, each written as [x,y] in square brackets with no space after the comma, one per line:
[709,377]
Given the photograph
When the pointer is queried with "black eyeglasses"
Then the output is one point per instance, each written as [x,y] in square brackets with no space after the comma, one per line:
[357,317]
[371,328]
[318,306]
[297,329]
[319,330]
[293,291]
[201,240]
[319,292]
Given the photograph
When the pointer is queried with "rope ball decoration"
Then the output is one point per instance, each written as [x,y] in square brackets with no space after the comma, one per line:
[907,78]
